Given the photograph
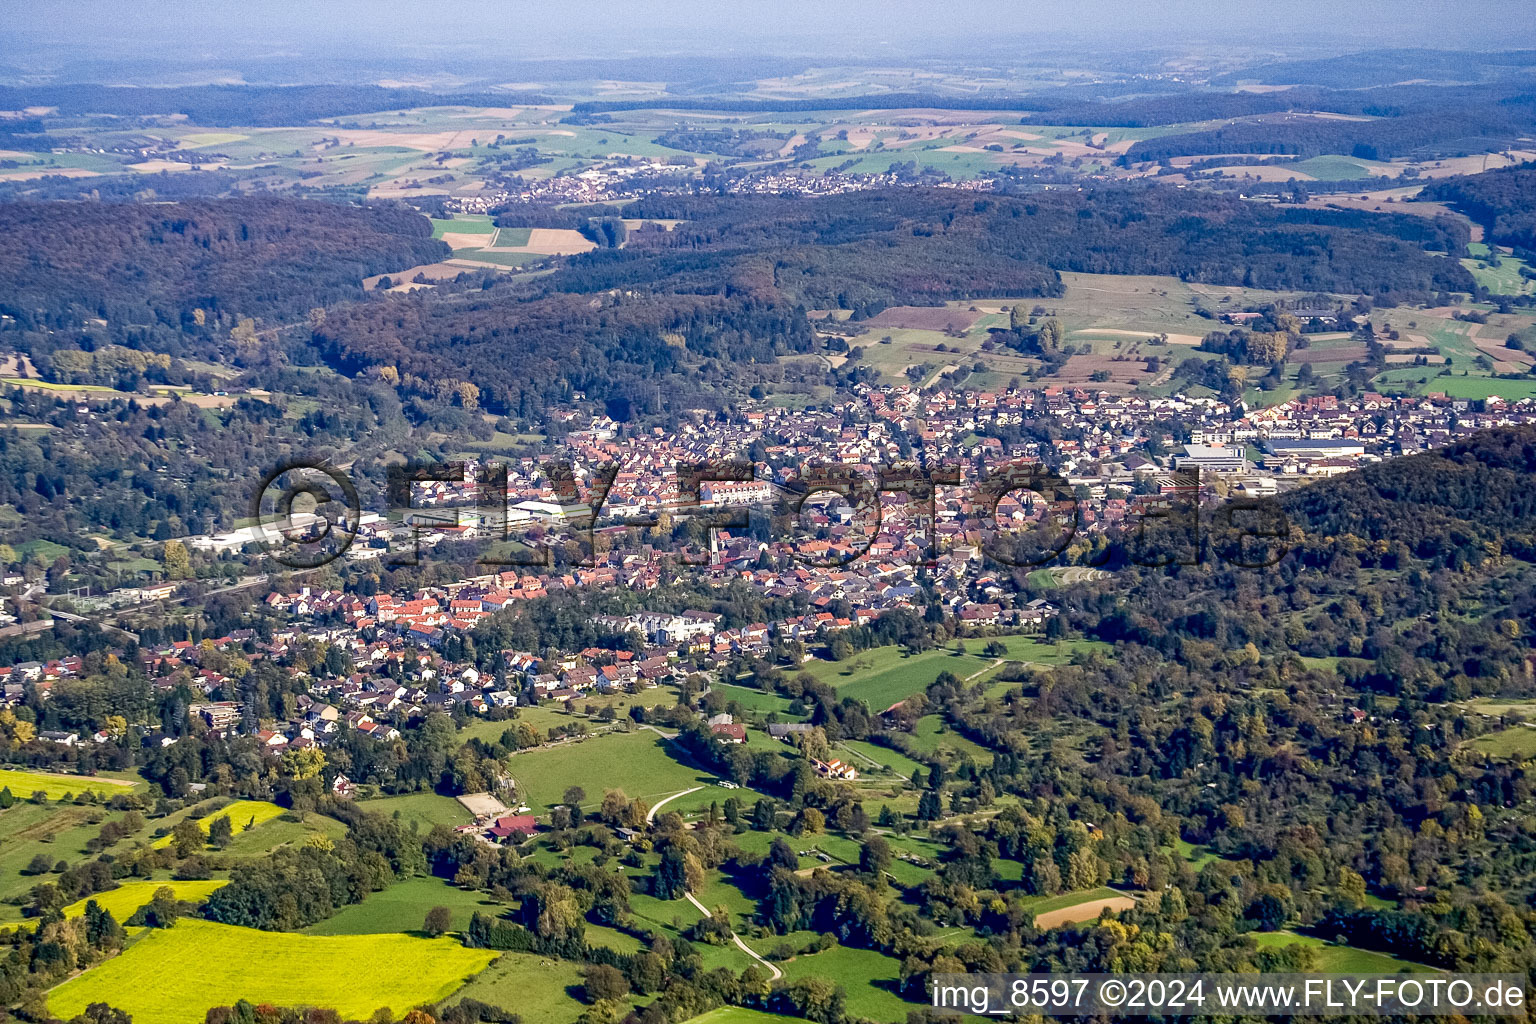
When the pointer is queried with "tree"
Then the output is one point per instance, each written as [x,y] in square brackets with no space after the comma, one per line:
[671,875]
[875,855]
[221,832]
[809,822]
[163,911]
[102,1013]
[1050,335]
[304,763]
[101,929]
[782,855]
[188,837]
[178,564]
[605,982]
[438,922]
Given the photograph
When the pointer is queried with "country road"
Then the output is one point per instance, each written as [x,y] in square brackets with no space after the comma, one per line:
[777,974]
[650,815]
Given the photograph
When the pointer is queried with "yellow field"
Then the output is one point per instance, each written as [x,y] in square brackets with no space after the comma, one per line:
[23,784]
[130,896]
[242,814]
[173,976]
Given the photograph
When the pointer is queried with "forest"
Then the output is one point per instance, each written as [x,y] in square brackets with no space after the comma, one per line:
[148,265]
[1445,132]
[731,285]
[1503,201]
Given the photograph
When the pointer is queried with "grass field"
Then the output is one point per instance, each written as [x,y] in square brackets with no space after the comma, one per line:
[738,1015]
[752,699]
[130,896]
[539,989]
[1504,279]
[1518,742]
[640,763]
[869,979]
[173,976]
[243,815]
[56,831]
[23,784]
[465,225]
[1336,959]
[1331,168]
[932,737]
[426,809]
[403,907]
[882,676]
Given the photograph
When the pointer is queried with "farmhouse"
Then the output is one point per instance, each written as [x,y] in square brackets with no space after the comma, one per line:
[729,732]
[834,769]
[513,826]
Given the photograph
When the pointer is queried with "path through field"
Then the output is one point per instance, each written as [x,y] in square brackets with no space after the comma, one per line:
[650,815]
[777,974]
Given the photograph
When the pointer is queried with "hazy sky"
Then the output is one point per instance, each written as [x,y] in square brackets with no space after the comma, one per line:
[199,29]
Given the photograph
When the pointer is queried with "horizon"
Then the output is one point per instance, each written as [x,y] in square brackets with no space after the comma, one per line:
[195,42]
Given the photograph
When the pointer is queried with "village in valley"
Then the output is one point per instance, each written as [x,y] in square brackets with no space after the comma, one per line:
[550,527]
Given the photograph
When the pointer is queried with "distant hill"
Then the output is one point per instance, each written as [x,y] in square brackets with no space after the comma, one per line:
[256,105]
[1446,506]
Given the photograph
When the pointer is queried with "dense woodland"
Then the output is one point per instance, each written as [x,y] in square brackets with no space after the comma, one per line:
[1502,201]
[153,265]
[731,285]
[1421,135]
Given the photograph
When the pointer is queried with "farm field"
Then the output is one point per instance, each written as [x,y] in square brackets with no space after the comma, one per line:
[244,815]
[403,908]
[154,979]
[23,784]
[1073,907]
[127,898]
[640,763]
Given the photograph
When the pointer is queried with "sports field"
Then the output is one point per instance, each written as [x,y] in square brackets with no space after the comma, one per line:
[174,976]
[23,784]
